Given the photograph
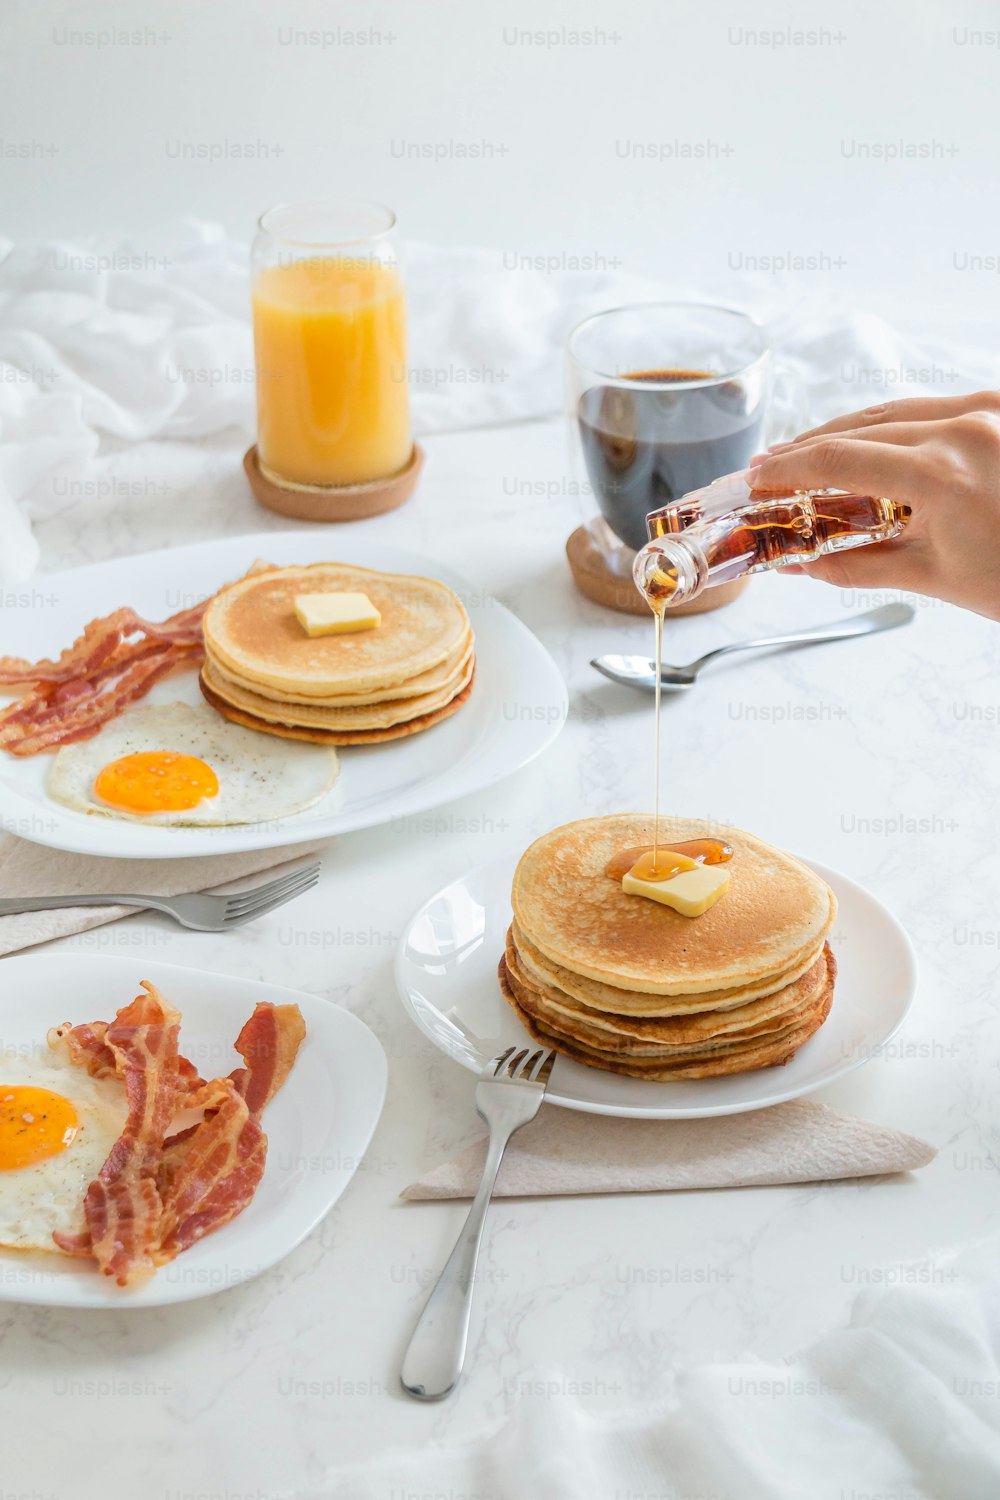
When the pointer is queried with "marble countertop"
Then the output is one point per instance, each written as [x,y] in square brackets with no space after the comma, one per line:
[877,757]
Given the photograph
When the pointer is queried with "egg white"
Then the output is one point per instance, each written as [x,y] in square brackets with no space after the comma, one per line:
[260,777]
[48,1195]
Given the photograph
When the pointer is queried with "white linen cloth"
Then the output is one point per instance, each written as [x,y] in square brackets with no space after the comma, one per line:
[902,1404]
[100,343]
[564,1152]
[28,869]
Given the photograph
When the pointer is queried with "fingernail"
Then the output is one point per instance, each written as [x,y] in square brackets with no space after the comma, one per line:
[751,474]
[756,459]
[779,447]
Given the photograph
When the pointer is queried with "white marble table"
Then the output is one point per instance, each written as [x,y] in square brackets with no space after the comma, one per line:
[877,757]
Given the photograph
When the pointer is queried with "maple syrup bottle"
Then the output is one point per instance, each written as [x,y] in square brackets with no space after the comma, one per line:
[719,533]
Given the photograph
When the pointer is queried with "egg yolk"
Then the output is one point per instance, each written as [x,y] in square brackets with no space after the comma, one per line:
[34,1125]
[153,781]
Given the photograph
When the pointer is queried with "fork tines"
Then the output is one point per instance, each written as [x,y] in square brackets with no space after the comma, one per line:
[522,1065]
[273,893]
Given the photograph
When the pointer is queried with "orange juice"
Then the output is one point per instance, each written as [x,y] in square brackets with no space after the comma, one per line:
[330,347]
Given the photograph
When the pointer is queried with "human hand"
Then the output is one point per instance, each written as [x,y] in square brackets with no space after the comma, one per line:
[938,455]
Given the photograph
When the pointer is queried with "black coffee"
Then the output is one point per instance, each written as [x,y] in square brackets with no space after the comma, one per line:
[645,449]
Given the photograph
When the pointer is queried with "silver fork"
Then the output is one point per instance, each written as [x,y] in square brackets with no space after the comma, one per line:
[509,1094]
[205,912]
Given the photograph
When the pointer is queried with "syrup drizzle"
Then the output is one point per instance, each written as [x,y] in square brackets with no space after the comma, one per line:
[683,856]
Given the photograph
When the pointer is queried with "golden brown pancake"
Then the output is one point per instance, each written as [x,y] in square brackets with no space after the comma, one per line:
[773,916]
[382,715]
[346,737]
[595,996]
[760,1052]
[551,1007]
[624,983]
[251,629]
[446,673]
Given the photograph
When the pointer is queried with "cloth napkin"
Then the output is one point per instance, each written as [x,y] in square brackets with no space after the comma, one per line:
[100,341]
[900,1405]
[564,1152]
[28,869]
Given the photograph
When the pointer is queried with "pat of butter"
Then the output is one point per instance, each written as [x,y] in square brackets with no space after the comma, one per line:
[335,614]
[691,892]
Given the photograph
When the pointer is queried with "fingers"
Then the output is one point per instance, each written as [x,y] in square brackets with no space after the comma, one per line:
[842,463]
[891,565]
[913,409]
[904,434]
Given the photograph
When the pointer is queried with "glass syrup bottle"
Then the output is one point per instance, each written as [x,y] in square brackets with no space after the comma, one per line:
[726,530]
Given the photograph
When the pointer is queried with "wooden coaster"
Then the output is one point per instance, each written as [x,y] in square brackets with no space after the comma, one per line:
[348,502]
[594,578]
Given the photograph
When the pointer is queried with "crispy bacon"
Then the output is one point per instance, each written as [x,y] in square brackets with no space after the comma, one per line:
[157,1195]
[101,640]
[51,716]
[115,661]
[122,1205]
[268,1045]
[85,1047]
[209,1174]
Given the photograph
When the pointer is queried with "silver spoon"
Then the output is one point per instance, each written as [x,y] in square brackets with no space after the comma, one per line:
[640,671]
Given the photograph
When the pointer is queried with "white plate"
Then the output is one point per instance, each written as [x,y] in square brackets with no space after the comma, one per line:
[446,973]
[318,1126]
[517,706]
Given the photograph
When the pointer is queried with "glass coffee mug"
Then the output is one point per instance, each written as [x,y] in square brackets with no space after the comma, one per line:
[329,321]
[666,397]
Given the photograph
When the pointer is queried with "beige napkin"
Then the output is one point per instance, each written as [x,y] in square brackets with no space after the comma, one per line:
[28,869]
[564,1151]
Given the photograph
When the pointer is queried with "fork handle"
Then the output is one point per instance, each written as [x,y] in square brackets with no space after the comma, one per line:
[13,906]
[436,1353]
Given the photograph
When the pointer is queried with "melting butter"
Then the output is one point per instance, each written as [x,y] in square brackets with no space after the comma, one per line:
[691,892]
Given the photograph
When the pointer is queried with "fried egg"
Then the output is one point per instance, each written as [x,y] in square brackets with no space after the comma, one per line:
[175,763]
[57,1127]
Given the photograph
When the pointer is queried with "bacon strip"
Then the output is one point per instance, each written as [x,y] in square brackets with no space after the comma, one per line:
[122,1205]
[99,640]
[71,698]
[210,1173]
[155,1197]
[49,717]
[86,1047]
[268,1045]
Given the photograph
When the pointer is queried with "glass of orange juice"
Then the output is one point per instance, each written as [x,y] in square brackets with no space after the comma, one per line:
[329,321]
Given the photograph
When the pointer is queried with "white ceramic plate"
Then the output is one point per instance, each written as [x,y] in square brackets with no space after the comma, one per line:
[318,1126]
[517,707]
[446,972]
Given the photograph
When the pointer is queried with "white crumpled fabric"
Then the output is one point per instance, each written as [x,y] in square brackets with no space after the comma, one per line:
[902,1404]
[101,345]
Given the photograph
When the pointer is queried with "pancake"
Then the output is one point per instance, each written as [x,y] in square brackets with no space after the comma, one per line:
[329,737]
[766,1052]
[772,918]
[446,674]
[251,630]
[627,1033]
[595,996]
[652,1056]
[372,716]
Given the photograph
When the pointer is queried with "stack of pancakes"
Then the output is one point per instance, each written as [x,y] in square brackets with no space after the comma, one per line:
[264,671]
[624,983]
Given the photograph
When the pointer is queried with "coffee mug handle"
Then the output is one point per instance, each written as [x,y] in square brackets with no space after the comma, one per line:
[788,404]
